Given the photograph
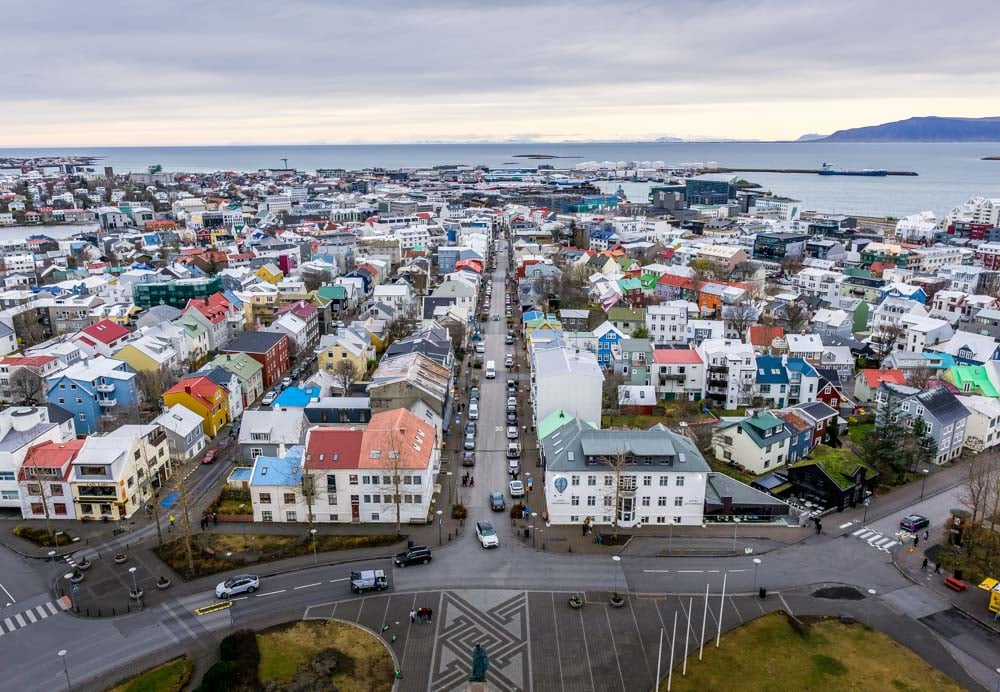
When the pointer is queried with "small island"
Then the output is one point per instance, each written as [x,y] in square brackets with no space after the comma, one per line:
[991,158]
[544,157]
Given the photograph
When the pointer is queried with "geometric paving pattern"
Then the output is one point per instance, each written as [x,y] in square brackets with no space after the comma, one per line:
[498,620]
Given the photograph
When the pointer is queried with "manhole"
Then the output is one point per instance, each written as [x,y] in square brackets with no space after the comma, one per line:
[839,593]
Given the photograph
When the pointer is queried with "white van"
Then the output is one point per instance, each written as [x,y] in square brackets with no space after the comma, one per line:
[491,369]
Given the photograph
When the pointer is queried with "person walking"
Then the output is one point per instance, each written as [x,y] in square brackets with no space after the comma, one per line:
[926,534]
[923,565]
[916,541]
[430,614]
[937,568]
[413,613]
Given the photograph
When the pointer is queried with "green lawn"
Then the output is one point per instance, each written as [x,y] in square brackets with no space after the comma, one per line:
[172,676]
[768,654]
[856,432]
[837,462]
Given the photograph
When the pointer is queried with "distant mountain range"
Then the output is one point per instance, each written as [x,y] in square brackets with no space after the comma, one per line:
[924,129]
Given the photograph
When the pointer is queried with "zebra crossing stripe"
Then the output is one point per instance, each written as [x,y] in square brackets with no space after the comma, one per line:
[20,621]
[860,531]
[875,538]
[10,624]
[887,542]
[52,608]
[41,612]
[31,616]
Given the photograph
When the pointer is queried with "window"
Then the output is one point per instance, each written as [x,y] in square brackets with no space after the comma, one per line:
[34,488]
[255,452]
[418,499]
[661,502]
[59,508]
[647,481]
[366,480]
[55,489]
[645,502]
[678,502]
[289,498]
[607,501]
[664,480]
[37,508]
[574,480]
[8,494]
[679,482]
[352,479]
[266,516]
[378,498]
[264,498]
[331,499]
[661,520]
[367,499]
[375,516]
[291,516]
[591,501]
[574,517]
[574,500]
[608,481]
[82,415]
[334,517]
[592,481]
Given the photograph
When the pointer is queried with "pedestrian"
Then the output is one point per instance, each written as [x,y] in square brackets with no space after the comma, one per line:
[430,613]
[819,526]
[926,535]
[472,481]
[916,541]
[413,613]
[215,518]
[584,527]
[923,565]
[937,568]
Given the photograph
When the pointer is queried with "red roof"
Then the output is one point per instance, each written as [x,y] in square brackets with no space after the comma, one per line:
[27,361]
[676,356]
[674,280]
[333,448]
[106,331]
[763,335]
[873,377]
[200,388]
[300,308]
[215,307]
[52,455]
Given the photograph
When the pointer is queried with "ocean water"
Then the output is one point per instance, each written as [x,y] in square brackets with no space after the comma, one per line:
[949,173]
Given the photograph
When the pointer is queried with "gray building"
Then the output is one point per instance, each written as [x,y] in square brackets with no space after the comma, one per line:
[941,411]
[268,432]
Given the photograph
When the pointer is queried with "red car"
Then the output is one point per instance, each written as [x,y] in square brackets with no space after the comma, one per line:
[210,456]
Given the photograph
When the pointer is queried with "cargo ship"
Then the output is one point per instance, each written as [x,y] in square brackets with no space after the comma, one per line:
[828,169]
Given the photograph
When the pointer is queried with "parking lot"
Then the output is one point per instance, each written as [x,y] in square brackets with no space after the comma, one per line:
[534,640]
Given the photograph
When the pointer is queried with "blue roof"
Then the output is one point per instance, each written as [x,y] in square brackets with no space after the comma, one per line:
[285,470]
[770,370]
[297,397]
[241,473]
[947,360]
[801,365]
[601,234]
[231,297]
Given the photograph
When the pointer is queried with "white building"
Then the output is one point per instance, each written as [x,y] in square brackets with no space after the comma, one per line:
[21,427]
[982,427]
[660,480]
[731,369]
[667,322]
[917,228]
[819,283]
[568,380]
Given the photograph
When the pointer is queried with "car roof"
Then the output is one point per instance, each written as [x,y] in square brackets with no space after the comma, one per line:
[493,495]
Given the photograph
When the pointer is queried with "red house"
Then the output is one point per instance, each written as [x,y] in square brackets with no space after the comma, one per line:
[267,348]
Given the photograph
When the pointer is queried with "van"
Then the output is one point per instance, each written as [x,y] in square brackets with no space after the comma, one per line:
[369,580]
[491,369]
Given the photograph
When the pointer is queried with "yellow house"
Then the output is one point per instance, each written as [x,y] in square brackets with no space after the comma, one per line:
[270,273]
[203,396]
[345,346]
[142,358]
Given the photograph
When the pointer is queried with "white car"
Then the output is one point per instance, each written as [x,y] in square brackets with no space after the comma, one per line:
[480,348]
[516,489]
[511,432]
[241,583]
[487,535]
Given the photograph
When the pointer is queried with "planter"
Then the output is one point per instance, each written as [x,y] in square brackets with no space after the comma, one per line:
[84,565]
[120,558]
[162,583]
[575,602]
[135,594]
[617,601]
[76,578]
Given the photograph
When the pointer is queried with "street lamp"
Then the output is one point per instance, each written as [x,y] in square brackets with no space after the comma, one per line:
[315,559]
[867,501]
[440,515]
[998,680]
[736,525]
[923,483]
[135,584]
[533,516]
[756,565]
[617,559]
[62,655]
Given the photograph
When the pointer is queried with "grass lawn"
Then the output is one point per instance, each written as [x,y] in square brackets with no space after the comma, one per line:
[768,654]
[731,471]
[856,432]
[251,549]
[670,413]
[172,676]
[838,463]
[368,665]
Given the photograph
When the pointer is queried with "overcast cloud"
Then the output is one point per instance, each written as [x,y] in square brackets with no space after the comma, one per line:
[326,71]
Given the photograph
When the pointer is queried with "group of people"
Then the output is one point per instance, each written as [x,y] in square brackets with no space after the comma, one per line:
[468,480]
[421,615]
[210,517]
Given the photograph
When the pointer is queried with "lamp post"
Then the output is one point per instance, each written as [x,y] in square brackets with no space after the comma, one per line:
[617,560]
[135,584]
[736,525]
[756,566]
[62,655]
[867,501]
[923,482]
[533,516]
[440,515]
[315,557]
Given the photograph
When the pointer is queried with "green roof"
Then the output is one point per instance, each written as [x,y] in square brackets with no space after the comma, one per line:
[630,284]
[554,421]
[624,262]
[332,292]
[648,281]
[839,464]
[973,375]
[626,314]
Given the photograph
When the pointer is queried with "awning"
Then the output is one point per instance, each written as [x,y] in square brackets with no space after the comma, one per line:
[780,488]
[989,584]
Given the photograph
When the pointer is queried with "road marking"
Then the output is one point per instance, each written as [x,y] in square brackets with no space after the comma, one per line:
[20,620]
[206,610]
[41,612]
[844,526]
[271,593]
[239,598]
[737,570]
[51,608]
[12,600]
[690,571]
[10,624]
[334,581]
[31,616]
[656,571]
[713,571]
[306,586]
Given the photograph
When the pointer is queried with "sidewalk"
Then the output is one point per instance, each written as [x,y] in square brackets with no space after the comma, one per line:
[973,602]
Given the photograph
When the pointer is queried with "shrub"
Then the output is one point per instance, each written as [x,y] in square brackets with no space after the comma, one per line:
[41,537]
[218,678]
[459,511]
[241,652]
[517,511]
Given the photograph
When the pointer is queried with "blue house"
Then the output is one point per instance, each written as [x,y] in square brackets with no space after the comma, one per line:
[91,387]
[904,291]
[608,339]
[772,380]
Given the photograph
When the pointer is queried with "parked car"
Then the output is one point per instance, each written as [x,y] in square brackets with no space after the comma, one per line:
[512,432]
[470,441]
[513,466]
[508,360]
[496,502]
[509,339]
[210,456]
[418,554]
[241,583]
[468,458]
[511,386]
[474,393]
[296,372]
[487,535]
[480,348]
[286,382]
[513,450]
[369,580]
[268,399]
[511,418]
[511,404]
[474,410]
[914,522]
[470,427]
[516,488]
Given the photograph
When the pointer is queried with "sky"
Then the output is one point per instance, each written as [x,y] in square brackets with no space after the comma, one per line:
[179,72]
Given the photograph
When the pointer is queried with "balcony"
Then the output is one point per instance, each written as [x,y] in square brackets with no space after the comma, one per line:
[107,403]
[105,388]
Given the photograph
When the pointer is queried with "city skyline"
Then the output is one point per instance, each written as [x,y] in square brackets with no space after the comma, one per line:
[329,73]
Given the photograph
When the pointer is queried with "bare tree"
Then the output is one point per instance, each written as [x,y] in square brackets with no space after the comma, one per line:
[118,416]
[790,265]
[399,328]
[391,486]
[27,387]
[741,315]
[883,340]
[30,329]
[609,392]
[920,377]
[309,494]
[151,385]
[617,462]
[456,332]
[345,374]
[796,317]
[186,524]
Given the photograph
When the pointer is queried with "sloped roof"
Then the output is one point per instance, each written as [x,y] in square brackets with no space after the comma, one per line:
[331,448]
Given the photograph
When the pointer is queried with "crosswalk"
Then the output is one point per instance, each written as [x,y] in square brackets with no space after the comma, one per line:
[877,540]
[24,618]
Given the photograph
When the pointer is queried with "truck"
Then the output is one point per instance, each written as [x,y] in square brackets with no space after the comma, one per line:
[369,580]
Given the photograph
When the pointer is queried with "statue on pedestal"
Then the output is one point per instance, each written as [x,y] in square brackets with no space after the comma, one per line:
[480,664]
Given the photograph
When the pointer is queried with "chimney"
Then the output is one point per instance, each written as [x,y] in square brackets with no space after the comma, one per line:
[187,389]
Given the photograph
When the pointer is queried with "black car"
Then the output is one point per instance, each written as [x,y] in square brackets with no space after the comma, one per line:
[468,458]
[914,522]
[418,554]
[511,418]
[496,502]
